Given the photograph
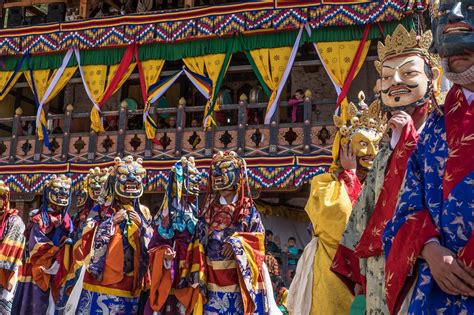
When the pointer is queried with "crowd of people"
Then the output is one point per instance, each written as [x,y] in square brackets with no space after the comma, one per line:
[392,222]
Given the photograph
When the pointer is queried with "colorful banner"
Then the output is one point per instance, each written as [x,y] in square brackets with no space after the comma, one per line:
[274,105]
[104,85]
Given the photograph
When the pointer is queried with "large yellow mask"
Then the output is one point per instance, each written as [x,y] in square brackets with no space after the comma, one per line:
[362,129]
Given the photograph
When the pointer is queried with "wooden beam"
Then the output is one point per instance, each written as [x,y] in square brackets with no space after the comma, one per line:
[30,3]
[35,11]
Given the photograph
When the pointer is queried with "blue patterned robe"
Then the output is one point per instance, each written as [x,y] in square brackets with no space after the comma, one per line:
[437,201]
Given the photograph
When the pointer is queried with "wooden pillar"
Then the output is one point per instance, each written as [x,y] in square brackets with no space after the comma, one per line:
[67,133]
[307,122]
[274,126]
[180,124]
[122,126]
[16,127]
[242,123]
[149,142]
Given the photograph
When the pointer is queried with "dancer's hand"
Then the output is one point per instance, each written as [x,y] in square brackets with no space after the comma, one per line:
[119,217]
[446,270]
[135,217]
[227,251]
[358,290]
[348,158]
[169,254]
[398,121]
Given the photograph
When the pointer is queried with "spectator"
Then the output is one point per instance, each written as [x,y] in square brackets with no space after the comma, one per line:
[292,250]
[270,245]
[57,130]
[281,296]
[194,123]
[27,128]
[297,111]
[172,122]
[112,125]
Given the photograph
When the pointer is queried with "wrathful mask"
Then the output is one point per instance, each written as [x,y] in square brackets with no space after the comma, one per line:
[129,175]
[96,181]
[453,27]
[226,170]
[58,190]
[407,70]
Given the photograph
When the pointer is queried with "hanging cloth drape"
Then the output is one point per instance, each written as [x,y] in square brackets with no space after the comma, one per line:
[46,84]
[102,81]
[343,61]
[271,64]
[207,73]
[149,73]
[9,78]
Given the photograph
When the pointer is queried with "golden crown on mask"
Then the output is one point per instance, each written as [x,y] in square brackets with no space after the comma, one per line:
[403,42]
[4,189]
[61,180]
[93,172]
[130,163]
[228,156]
[352,120]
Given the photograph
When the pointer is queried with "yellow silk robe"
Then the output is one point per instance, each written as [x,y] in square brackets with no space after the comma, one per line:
[329,208]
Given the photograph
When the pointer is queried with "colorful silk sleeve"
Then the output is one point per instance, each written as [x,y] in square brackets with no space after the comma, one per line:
[249,254]
[42,254]
[11,250]
[406,234]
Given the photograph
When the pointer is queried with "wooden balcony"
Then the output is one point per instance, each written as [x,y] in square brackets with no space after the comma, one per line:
[312,136]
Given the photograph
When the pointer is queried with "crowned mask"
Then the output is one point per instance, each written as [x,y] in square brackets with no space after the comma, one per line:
[226,170]
[362,130]
[407,69]
[96,182]
[453,27]
[129,175]
[58,190]
[179,209]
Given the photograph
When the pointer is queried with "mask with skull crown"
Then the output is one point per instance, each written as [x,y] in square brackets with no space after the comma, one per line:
[226,171]
[361,129]
[129,175]
[58,190]
[407,69]
[96,182]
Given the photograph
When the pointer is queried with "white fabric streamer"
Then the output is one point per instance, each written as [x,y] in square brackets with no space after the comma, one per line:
[272,306]
[300,293]
[274,105]
[53,84]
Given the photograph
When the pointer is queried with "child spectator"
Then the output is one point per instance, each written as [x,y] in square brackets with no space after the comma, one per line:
[269,244]
[293,251]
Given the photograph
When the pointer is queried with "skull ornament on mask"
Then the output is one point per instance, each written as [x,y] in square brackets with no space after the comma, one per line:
[226,170]
[129,175]
[58,190]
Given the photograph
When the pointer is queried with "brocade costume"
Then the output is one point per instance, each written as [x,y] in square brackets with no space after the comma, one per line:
[46,258]
[174,230]
[359,257]
[436,201]
[12,245]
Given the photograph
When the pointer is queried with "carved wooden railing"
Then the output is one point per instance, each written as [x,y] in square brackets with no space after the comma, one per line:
[312,136]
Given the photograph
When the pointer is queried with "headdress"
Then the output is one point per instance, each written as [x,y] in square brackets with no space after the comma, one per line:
[129,176]
[403,42]
[54,193]
[178,211]
[352,120]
